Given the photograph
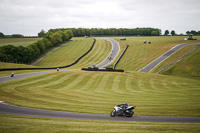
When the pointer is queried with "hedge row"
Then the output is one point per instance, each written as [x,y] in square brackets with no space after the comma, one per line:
[10,53]
[45,68]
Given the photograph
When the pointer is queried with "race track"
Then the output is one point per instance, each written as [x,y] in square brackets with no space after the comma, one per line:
[160,59]
[23,111]
[110,58]
[112,55]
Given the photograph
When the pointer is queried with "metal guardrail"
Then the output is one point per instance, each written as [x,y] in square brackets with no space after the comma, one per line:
[177,60]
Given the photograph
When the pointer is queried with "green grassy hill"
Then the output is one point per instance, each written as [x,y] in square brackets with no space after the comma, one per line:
[189,66]
[139,54]
[72,51]
[18,41]
[68,54]
[24,124]
[98,92]
[175,94]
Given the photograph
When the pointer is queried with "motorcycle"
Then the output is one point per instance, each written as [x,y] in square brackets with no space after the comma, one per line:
[122,110]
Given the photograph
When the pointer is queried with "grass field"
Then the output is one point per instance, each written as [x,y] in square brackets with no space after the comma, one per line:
[175,94]
[91,92]
[18,41]
[173,58]
[189,66]
[10,124]
[13,65]
[139,54]
[100,51]
[72,51]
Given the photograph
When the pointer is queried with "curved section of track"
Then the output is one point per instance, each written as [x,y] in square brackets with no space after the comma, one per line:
[23,111]
[160,59]
[112,55]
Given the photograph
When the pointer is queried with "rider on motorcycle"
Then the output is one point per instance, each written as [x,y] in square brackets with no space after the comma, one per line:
[123,107]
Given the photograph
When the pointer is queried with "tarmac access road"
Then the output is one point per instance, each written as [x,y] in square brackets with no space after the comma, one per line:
[24,111]
[25,75]
[113,54]
[160,59]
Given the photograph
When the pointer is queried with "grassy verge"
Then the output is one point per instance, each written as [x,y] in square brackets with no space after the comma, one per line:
[139,54]
[20,124]
[189,66]
[99,53]
[18,41]
[92,92]
[76,49]
[67,54]
[13,65]
[173,58]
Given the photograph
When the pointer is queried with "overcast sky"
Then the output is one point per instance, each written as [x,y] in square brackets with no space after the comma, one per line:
[28,17]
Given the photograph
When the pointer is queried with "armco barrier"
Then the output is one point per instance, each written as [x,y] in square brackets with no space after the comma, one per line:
[102,69]
[7,69]
[177,60]
[120,57]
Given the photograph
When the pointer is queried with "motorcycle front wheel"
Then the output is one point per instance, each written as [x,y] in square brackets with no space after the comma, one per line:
[113,113]
[130,114]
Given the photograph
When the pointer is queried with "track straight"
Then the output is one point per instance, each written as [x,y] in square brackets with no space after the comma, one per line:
[160,59]
[19,76]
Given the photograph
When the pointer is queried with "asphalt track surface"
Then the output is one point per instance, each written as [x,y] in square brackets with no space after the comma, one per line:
[24,111]
[19,76]
[160,59]
[112,55]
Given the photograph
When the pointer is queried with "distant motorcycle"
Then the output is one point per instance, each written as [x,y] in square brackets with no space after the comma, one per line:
[122,110]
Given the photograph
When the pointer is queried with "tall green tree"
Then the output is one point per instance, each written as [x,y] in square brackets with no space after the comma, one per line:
[173,32]
[41,46]
[1,34]
[56,38]
[41,33]
[166,32]
[70,33]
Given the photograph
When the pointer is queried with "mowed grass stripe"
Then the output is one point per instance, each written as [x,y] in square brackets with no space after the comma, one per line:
[11,123]
[96,52]
[91,92]
[100,51]
[18,41]
[139,54]
[67,54]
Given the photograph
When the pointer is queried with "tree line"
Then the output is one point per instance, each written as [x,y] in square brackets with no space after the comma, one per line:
[11,53]
[11,36]
[193,32]
[112,31]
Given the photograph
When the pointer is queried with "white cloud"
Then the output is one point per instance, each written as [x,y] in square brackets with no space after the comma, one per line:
[29,17]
